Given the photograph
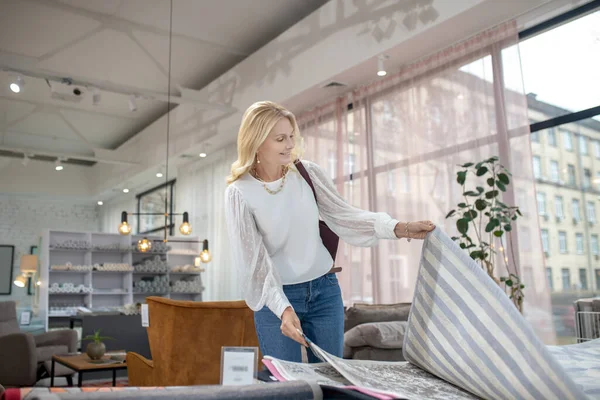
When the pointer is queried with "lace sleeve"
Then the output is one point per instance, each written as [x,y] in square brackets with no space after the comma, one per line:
[355,226]
[261,282]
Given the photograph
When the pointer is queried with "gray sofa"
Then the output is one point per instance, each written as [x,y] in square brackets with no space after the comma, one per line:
[375,332]
[22,355]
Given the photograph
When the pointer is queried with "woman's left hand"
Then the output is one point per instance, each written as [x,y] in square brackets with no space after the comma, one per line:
[413,230]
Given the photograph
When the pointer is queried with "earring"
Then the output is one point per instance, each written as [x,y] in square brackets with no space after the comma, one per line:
[257,160]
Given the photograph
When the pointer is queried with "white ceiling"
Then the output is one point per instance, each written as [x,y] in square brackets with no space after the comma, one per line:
[122,48]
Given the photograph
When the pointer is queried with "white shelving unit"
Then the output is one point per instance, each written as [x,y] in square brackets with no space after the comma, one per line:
[110,289]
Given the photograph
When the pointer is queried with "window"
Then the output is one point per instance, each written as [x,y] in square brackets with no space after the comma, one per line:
[579,243]
[554,171]
[583,284]
[583,147]
[332,164]
[591,212]
[350,165]
[576,212]
[391,181]
[397,272]
[552,137]
[545,241]
[356,280]
[571,172]
[567,140]
[587,178]
[537,167]
[566,279]
[541,51]
[562,242]
[404,180]
[541,200]
[558,202]
[535,137]
[153,201]
[596,148]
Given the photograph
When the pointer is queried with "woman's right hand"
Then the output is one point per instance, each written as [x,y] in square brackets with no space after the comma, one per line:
[290,325]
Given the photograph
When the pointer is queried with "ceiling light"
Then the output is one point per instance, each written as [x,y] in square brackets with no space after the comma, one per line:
[132,104]
[380,65]
[100,202]
[144,245]
[202,155]
[205,256]
[125,190]
[159,175]
[58,165]
[185,228]
[124,227]
[18,85]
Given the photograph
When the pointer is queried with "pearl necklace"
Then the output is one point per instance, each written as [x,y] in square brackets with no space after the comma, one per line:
[284,171]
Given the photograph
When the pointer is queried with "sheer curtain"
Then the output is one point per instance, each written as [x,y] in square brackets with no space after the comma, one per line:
[395,146]
[200,191]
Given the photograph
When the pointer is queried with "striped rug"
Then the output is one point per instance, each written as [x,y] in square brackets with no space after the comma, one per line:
[463,328]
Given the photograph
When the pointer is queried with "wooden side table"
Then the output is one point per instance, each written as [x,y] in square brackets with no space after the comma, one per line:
[82,363]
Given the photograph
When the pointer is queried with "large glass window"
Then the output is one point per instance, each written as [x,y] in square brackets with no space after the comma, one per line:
[154,201]
[566,110]
[573,47]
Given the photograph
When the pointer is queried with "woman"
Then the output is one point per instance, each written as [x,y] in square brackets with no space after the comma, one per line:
[272,219]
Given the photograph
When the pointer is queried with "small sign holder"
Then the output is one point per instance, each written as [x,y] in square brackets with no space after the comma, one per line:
[25,318]
[238,365]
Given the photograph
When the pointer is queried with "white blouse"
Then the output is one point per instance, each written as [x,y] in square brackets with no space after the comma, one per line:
[275,239]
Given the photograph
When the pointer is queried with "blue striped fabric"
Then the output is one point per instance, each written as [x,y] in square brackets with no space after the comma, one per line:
[464,329]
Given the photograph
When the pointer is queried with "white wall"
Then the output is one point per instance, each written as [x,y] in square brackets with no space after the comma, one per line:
[22,220]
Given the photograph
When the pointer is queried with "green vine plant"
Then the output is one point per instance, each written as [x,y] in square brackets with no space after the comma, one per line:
[485,216]
[96,338]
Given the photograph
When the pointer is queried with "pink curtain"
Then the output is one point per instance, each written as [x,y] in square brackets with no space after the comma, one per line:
[395,145]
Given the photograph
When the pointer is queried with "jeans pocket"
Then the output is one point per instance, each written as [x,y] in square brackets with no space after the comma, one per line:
[331,279]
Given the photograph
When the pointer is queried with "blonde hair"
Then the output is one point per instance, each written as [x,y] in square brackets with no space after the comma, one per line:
[257,122]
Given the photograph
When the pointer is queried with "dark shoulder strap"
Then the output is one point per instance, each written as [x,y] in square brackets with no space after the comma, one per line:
[305,175]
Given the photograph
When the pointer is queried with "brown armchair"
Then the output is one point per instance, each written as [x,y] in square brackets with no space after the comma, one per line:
[185,340]
[23,354]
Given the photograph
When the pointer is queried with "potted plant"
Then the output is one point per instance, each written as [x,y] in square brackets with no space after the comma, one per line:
[96,349]
[485,216]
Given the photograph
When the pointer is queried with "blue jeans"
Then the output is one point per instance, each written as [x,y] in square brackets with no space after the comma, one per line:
[320,309]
